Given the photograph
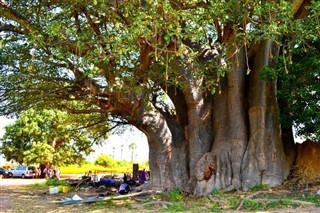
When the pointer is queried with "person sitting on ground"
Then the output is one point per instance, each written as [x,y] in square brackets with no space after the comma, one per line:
[125,178]
[124,189]
[143,176]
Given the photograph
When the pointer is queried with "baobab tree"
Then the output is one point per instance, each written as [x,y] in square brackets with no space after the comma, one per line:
[120,59]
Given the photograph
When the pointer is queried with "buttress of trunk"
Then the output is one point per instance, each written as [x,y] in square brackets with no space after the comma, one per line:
[167,152]
[221,167]
[198,132]
[266,160]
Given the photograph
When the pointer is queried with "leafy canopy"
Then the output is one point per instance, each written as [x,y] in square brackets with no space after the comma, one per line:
[106,56]
[300,89]
[80,55]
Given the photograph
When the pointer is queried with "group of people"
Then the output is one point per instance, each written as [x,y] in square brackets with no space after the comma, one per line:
[45,173]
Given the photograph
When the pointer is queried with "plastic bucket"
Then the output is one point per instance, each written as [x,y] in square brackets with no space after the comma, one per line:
[65,189]
[60,188]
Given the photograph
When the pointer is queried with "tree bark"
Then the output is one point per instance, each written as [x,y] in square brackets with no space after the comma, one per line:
[167,152]
[231,141]
[267,162]
[221,168]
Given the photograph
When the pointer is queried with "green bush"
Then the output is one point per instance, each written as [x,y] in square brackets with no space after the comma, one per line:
[56,182]
[175,195]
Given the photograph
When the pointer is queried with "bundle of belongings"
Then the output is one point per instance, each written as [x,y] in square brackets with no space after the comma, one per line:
[124,189]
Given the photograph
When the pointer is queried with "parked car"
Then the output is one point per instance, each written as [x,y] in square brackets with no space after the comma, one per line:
[3,173]
[21,171]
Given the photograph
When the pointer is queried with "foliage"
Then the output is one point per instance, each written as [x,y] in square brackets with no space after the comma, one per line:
[215,191]
[47,137]
[80,55]
[276,200]
[83,56]
[175,195]
[56,182]
[260,187]
[120,166]
[105,161]
[299,89]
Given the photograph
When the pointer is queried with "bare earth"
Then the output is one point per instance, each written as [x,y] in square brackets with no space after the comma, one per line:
[16,195]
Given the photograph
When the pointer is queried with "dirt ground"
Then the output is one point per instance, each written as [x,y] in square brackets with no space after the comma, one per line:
[17,195]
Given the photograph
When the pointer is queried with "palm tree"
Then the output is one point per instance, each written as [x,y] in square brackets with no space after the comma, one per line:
[121,151]
[113,148]
[132,146]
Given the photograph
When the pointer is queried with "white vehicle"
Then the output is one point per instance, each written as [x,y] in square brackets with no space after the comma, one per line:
[21,171]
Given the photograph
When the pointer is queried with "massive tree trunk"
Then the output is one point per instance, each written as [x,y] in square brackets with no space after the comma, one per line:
[267,161]
[167,151]
[231,140]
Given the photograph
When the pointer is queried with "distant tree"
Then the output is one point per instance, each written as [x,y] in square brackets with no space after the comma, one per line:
[113,149]
[48,137]
[121,151]
[132,147]
[299,92]
[105,161]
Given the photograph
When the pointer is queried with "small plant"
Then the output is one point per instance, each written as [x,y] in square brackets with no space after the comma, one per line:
[160,196]
[215,191]
[260,187]
[252,205]
[175,195]
[215,207]
[56,182]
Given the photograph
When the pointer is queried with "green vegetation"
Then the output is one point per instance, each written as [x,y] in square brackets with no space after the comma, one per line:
[49,137]
[117,166]
[175,195]
[56,182]
[259,187]
[177,201]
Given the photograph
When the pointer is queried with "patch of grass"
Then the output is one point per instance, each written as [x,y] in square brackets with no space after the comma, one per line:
[175,195]
[56,182]
[36,185]
[233,201]
[253,205]
[100,204]
[159,196]
[260,187]
[313,198]
[177,207]
[215,207]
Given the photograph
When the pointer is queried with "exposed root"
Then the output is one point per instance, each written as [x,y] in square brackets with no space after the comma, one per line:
[222,202]
[261,200]
[163,203]
[250,196]
[230,188]
[300,202]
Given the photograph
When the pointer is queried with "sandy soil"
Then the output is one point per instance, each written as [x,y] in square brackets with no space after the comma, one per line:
[17,195]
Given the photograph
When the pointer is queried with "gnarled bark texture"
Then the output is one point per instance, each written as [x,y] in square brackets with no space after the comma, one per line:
[231,140]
